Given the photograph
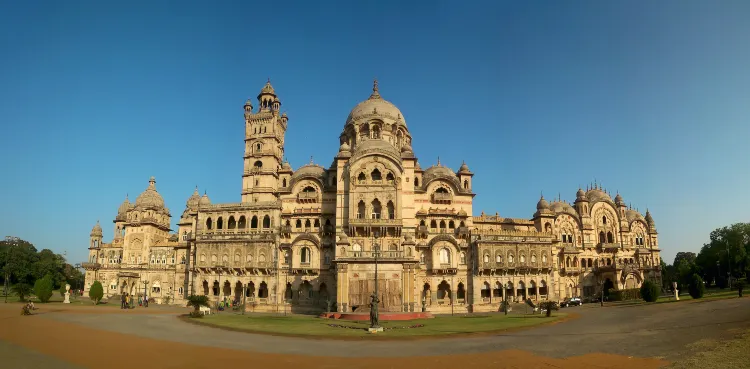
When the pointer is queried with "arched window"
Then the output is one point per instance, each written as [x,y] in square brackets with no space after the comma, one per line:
[533,258]
[266,222]
[375,175]
[389,177]
[242,224]
[510,259]
[258,164]
[375,131]
[451,225]
[283,182]
[416,182]
[376,208]
[445,256]
[441,190]
[254,222]
[462,258]
[361,209]
[442,224]
[498,258]
[209,224]
[421,257]
[610,238]
[544,259]
[232,223]
[466,184]
[236,258]
[522,258]
[486,258]
[307,223]
[220,223]
[316,224]
[299,223]
[601,237]
[391,210]
[305,255]
[433,224]
[361,177]
[604,220]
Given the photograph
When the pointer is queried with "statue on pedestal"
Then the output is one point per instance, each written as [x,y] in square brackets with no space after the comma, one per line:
[67,294]
[676,292]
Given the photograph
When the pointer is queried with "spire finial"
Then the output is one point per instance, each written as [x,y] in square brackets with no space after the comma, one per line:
[375,92]
[269,80]
[311,159]
[438,164]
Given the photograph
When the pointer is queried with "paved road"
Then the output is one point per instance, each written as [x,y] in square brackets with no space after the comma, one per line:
[661,330]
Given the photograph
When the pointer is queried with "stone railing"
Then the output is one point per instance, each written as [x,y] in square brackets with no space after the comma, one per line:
[91,265]
[383,254]
[441,197]
[307,195]
[380,221]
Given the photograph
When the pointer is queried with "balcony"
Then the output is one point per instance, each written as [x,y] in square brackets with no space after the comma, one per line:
[441,198]
[92,266]
[382,255]
[422,232]
[307,197]
[374,222]
[462,232]
[608,245]
[286,229]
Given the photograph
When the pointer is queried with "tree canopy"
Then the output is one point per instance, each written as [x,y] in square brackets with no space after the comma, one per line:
[20,262]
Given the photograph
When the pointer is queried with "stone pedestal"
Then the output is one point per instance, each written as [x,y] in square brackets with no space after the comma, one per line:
[677,295]
[375,330]
[67,294]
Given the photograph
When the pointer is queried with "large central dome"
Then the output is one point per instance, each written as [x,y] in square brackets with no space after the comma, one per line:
[376,107]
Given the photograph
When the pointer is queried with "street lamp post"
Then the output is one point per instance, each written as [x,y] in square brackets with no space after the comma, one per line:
[602,299]
[374,316]
[145,297]
[78,269]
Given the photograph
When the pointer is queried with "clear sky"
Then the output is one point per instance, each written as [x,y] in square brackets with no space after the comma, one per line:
[650,98]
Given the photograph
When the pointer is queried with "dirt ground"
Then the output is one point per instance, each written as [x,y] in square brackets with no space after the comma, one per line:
[90,337]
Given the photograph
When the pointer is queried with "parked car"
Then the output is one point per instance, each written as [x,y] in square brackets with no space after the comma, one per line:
[571,301]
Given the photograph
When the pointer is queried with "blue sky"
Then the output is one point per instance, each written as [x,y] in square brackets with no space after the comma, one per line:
[651,99]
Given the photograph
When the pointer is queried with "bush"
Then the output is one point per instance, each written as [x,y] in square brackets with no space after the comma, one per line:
[649,291]
[196,301]
[43,288]
[549,306]
[696,288]
[740,286]
[624,295]
[96,292]
[22,290]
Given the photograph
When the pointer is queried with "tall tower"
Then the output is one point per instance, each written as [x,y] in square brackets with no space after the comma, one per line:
[264,147]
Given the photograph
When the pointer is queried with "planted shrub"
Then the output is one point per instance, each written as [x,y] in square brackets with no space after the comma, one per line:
[96,292]
[22,290]
[696,288]
[649,291]
[549,306]
[43,288]
[624,295]
[196,301]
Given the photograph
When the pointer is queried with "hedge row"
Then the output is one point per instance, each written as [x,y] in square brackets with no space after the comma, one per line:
[623,295]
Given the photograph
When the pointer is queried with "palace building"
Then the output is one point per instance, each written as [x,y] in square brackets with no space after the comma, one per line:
[310,239]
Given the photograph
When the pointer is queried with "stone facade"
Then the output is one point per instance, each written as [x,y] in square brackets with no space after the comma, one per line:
[307,239]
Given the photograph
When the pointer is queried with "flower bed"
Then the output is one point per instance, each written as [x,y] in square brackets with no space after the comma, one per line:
[384,328]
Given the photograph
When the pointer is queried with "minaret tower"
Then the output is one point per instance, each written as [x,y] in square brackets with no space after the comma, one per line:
[264,147]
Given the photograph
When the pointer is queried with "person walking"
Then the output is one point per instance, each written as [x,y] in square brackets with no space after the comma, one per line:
[127,300]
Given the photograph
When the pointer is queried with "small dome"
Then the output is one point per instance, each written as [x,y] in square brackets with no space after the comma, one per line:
[150,199]
[205,201]
[542,204]
[194,199]
[344,147]
[97,230]
[632,215]
[249,103]
[285,166]
[580,194]
[422,211]
[125,206]
[283,115]
[375,145]
[562,207]
[462,213]
[648,218]
[618,200]
[597,195]
[309,170]
[406,148]
[267,89]
[417,167]
[439,171]
[464,168]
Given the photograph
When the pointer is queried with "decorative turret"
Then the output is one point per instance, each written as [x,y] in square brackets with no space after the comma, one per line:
[267,97]
[464,176]
[650,222]
[544,216]
[96,236]
[581,203]
[204,201]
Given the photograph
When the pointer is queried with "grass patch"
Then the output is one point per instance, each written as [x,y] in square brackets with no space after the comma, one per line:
[318,327]
[711,295]
[58,299]
[711,353]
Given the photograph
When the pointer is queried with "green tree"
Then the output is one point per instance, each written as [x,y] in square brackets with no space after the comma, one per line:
[22,290]
[548,306]
[696,288]
[96,292]
[649,291]
[196,301]
[43,288]
[16,260]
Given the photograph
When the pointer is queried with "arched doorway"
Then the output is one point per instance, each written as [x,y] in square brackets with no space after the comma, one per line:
[205,288]
[461,293]
[263,290]
[444,292]
[250,291]
[521,291]
[238,291]
[608,285]
[426,296]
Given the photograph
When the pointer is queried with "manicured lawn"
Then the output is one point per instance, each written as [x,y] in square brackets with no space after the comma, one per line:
[709,353]
[312,326]
[58,299]
[710,295]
